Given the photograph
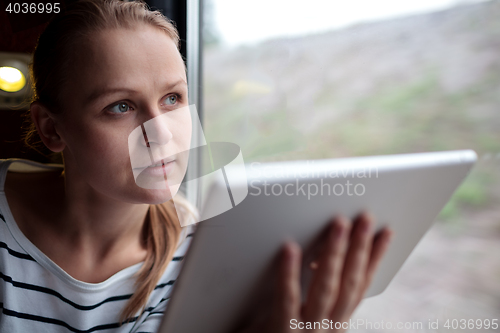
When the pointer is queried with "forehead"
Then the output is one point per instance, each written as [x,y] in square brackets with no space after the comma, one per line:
[142,55]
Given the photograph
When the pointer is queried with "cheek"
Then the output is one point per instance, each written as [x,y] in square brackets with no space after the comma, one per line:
[99,150]
[183,132]
[106,145]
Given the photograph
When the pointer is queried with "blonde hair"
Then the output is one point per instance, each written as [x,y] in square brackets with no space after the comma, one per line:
[49,69]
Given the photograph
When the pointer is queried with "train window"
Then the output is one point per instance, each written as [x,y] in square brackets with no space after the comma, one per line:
[290,80]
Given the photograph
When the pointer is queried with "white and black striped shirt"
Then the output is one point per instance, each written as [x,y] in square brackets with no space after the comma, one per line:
[36,295]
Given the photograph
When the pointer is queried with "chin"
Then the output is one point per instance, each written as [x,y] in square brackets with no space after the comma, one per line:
[155,189]
[159,196]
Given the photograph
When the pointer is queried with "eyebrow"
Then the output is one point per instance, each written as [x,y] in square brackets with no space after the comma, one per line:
[99,93]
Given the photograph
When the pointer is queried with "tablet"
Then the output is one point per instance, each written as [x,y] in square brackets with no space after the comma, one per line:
[231,261]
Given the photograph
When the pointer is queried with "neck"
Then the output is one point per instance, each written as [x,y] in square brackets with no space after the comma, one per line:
[95,221]
[91,235]
[88,234]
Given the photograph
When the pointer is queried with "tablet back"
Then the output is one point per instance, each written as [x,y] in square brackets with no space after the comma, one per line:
[229,266]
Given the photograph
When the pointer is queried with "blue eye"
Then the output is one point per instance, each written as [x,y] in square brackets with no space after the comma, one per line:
[121,107]
[171,100]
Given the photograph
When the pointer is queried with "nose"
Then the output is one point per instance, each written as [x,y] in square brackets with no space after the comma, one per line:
[156,130]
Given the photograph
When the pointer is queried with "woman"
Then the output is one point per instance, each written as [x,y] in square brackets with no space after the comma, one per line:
[84,248]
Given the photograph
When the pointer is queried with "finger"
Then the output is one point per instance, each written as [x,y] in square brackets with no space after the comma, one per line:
[325,284]
[355,265]
[288,298]
[379,248]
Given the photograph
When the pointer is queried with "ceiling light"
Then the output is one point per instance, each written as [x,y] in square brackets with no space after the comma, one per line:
[15,92]
[11,79]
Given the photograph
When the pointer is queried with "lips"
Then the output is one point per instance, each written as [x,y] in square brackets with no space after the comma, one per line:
[158,163]
[161,162]
[158,170]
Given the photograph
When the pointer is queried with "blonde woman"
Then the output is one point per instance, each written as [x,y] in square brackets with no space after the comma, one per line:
[82,247]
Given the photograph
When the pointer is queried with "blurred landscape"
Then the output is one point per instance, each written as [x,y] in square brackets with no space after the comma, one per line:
[422,83]
[426,82]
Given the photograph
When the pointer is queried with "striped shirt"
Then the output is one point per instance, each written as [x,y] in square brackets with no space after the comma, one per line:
[36,295]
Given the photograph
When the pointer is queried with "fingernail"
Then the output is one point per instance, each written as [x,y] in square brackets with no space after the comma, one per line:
[337,232]
[289,252]
[390,235]
[367,224]
[338,227]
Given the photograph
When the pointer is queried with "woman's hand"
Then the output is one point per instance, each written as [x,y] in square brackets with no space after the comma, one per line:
[342,274]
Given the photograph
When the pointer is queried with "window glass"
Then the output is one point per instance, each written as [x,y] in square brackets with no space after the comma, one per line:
[315,79]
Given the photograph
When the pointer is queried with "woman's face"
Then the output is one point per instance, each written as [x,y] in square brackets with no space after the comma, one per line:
[122,79]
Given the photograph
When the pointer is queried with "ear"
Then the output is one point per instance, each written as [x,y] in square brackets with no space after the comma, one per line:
[46,127]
